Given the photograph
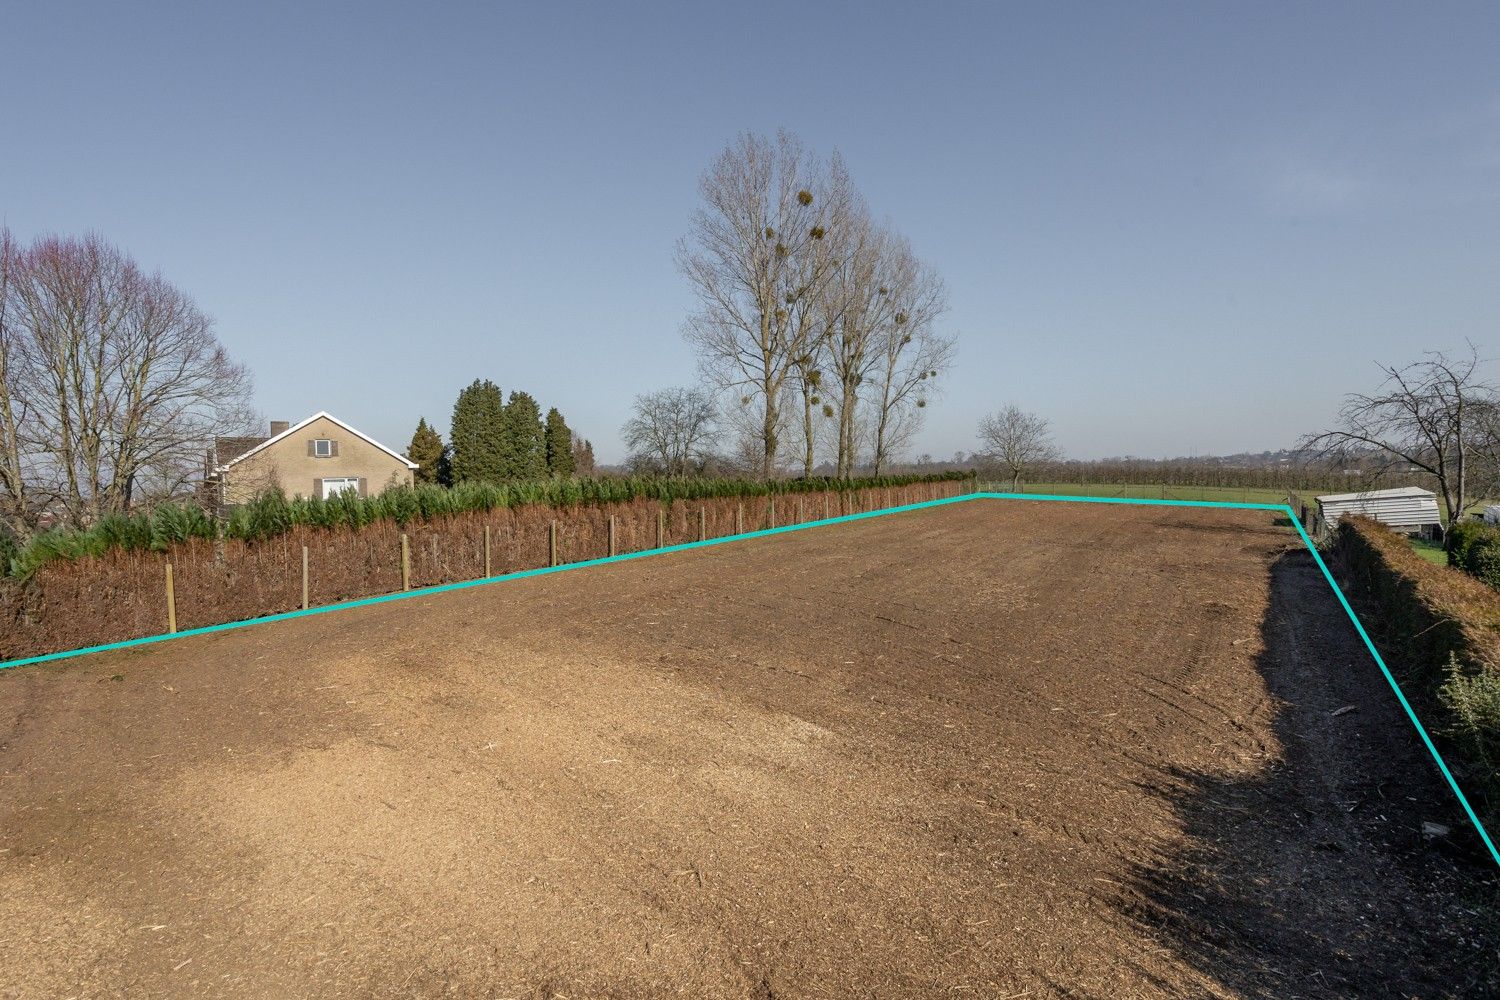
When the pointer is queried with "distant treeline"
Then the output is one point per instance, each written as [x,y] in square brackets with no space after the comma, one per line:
[1171,473]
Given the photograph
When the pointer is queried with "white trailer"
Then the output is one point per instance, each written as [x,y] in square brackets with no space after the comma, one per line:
[1409,509]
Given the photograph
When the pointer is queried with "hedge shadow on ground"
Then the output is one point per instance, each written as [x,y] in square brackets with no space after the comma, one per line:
[1311,877]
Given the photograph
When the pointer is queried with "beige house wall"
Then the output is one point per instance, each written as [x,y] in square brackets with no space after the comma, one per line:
[289,464]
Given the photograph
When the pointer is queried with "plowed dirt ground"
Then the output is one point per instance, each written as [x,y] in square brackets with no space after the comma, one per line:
[995,749]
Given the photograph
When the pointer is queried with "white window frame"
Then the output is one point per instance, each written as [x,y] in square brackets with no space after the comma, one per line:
[322,447]
[344,483]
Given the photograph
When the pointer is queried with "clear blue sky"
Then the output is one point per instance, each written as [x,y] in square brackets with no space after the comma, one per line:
[1169,229]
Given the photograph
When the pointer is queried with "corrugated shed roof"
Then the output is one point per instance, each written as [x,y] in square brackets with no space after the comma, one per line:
[1401,491]
[1407,506]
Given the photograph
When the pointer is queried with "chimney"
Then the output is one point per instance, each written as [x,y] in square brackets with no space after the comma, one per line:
[280,427]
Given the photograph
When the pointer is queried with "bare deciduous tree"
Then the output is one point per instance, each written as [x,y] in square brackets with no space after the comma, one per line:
[672,430]
[910,354]
[17,504]
[1017,440]
[114,380]
[1430,414]
[758,257]
[878,317]
[807,377]
[1483,473]
[855,306]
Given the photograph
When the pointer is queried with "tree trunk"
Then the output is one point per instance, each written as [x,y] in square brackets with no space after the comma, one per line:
[768,461]
[846,430]
[880,439]
[807,430]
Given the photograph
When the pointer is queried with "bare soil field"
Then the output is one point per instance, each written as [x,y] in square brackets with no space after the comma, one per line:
[995,749]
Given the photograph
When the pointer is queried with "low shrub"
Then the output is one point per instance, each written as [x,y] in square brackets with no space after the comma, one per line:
[1482,559]
[1460,538]
[1474,547]
[1474,701]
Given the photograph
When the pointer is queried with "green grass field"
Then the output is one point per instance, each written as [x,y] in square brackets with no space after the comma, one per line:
[1225,494]
[1433,552]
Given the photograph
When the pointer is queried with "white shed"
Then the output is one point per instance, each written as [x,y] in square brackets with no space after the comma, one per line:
[1409,509]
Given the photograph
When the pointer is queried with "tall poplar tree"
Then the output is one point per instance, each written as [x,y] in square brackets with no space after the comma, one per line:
[559,444]
[479,433]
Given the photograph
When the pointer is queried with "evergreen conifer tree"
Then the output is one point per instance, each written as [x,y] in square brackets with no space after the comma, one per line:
[478,436]
[427,451]
[525,440]
[559,444]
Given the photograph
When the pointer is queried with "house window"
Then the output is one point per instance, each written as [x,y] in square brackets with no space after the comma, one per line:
[323,448]
[332,487]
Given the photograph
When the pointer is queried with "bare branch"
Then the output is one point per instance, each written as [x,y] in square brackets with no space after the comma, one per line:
[1017,440]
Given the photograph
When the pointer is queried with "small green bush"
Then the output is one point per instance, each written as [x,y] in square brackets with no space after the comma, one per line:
[270,514]
[1482,558]
[1461,537]
[1473,698]
[172,524]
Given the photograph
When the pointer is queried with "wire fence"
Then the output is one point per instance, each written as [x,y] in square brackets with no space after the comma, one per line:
[1304,508]
[123,595]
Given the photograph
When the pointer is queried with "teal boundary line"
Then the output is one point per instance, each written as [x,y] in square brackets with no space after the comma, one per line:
[1359,627]
[480,582]
[842,519]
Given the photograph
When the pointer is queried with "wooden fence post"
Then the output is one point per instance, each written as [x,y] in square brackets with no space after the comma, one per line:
[702,525]
[739,519]
[771,513]
[304,578]
[661,528]
[611,534]
[486,550]
[552,544]
[171,602]
[799,510]
[405,563]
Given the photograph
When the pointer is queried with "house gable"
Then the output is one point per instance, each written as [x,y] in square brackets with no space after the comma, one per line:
[317,457]
[297,428]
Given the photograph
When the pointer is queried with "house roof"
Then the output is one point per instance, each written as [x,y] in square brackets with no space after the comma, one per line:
[234,446]
[321,414]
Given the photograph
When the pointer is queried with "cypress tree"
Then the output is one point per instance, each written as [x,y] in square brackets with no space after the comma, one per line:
[478,436]
[559,444]
[525,441]
[427,451]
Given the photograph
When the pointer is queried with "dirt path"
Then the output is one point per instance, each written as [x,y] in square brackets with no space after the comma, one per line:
[999,749]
